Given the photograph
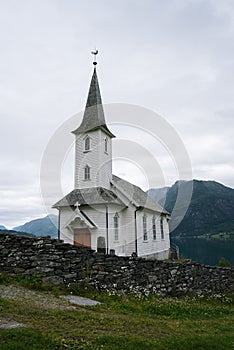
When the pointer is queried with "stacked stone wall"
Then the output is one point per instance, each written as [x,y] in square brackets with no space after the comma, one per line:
[61,263]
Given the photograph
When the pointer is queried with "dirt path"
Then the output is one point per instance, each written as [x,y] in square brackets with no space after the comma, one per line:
[35,298]
[39,299]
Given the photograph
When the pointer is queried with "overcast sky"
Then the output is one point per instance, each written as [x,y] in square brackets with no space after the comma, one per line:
[174,57]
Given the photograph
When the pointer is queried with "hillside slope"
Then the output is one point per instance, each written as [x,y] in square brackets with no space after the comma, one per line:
[47,226]
[211,209]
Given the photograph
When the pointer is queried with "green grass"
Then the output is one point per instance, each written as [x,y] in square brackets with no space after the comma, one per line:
[21,339]
[123,322]
[218,236]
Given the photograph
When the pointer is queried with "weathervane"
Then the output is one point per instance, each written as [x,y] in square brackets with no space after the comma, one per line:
[94,53]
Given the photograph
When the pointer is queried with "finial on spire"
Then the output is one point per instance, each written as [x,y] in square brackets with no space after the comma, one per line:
[94,53]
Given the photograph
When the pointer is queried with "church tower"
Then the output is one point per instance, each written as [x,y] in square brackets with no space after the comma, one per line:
[93,145]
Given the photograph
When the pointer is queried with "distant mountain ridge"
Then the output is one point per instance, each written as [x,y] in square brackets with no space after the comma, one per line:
[159,194]
[47,226]
[210,211]
[12,232]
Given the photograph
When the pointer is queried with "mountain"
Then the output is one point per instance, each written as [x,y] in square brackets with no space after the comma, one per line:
[47,226]
[2,227]
[12,232]
[211,209]
[159,194]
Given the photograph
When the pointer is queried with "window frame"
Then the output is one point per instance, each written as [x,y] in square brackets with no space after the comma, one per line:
[106,145]
[116,227]
[154,229]
[162,227]
[87,143]
[145,232]
[87,173]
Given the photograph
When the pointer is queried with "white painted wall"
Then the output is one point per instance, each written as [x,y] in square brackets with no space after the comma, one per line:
[151,246]
[99,161]
[125,246]
[105,161]
[66,215]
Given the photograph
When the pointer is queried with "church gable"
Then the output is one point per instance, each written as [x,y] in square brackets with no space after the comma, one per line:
[79,220]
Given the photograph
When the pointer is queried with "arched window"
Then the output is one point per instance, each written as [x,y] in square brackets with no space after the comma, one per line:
[145,234]
[154,229]
[116,227]
[87,143]
[106,145]
[87,173]
[161,227]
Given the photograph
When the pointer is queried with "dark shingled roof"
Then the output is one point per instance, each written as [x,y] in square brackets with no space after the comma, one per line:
[89,196]
[136,195]
[100,195]
[94,114]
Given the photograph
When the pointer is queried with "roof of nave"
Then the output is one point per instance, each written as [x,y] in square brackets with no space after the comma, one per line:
[99,195]
[136,195]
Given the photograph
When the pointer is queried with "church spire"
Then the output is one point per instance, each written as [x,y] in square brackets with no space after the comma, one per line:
[93,117]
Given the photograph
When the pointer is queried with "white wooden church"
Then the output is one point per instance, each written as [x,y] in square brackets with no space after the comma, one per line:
[105,212]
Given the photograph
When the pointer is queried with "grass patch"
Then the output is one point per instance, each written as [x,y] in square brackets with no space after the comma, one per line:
[190,308]
[123,322]
[24,339]
[177,343]
[34,282]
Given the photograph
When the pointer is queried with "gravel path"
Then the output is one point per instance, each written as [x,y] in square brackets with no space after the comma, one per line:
[9,324]
[41,300]
[35,298]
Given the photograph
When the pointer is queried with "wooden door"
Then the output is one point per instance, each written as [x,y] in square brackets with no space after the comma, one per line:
[82,237]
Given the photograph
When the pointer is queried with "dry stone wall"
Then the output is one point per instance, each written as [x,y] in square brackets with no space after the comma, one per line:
[61,263]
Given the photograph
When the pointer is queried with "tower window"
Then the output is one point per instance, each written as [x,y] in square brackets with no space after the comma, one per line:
[106,145]
[161,227]
[116,227]
[145,234]
[87,143]
[87,173]
[154,229]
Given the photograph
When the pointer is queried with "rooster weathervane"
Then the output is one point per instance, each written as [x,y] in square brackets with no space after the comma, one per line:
[94,53]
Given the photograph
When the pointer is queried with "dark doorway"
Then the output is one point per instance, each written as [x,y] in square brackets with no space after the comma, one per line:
[101,245]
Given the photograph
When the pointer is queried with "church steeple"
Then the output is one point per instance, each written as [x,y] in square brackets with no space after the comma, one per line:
[93,117]
[93,148]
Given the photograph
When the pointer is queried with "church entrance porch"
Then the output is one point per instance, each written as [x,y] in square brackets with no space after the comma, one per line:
[82,237]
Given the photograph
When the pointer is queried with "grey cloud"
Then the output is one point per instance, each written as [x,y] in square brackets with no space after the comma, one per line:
[175,57]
